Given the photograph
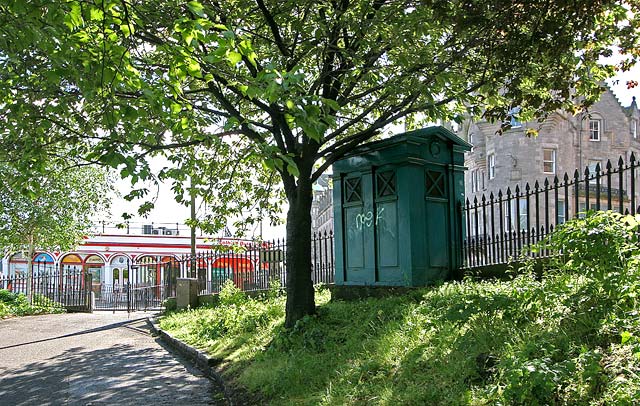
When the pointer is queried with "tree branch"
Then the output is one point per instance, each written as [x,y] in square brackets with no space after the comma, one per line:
[274,29]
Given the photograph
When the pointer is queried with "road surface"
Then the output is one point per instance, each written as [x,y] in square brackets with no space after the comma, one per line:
[94,359]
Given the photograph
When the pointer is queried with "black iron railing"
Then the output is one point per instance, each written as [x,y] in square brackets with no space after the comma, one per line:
[69,288]
[499,227]
[255,265]
[130,297]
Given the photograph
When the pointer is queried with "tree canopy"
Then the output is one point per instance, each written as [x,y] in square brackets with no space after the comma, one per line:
[284,88]
[56,215]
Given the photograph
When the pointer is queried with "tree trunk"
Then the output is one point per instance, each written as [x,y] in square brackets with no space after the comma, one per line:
[300,294]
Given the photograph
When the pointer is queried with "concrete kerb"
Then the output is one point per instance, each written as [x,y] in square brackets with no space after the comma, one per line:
[199,358]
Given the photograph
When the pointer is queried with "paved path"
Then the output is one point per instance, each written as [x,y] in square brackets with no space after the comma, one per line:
[93,359]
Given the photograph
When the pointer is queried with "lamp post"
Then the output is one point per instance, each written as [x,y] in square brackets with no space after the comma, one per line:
[193,228]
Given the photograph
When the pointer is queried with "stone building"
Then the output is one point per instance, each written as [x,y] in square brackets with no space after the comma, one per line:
[322,205]
[564,143]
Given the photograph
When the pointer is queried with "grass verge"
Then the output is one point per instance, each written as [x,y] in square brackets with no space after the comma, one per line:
[571,337]
[524,341]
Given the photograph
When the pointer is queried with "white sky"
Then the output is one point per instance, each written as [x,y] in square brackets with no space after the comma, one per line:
[167,210]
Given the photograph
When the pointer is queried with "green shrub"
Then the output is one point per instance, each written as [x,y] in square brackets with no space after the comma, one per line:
[170,304]
[230,294]
[8,296]
[599,244]
[16,304]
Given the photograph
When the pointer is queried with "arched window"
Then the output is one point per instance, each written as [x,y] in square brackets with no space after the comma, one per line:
[94,265]
[71,262]
[17,265]
[120,271]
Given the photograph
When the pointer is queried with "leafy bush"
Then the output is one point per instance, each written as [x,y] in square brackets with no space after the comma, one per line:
[7,296]
[230,294]
[16,304]
[599,245]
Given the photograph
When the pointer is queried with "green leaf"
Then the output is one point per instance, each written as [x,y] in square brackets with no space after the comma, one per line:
[193,68]
[127,30]
[196,8]
[293,170]
[212,58]
[234,57]
[73,18]
[176,108]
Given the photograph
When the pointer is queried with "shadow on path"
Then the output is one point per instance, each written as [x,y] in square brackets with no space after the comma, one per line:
[118,375]
[93,330]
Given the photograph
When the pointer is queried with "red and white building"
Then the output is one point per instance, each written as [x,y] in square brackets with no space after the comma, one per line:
[118,259]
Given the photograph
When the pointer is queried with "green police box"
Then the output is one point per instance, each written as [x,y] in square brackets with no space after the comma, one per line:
[396,209]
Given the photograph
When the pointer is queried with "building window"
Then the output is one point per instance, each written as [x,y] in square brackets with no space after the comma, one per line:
[491,163]
[353,190]
[582,208]
[634,128]
[483,185]
[549,160]
[523,214]
[595,130]
[561,215]
[511,212]
[593,163]
[474,181]
[435,184]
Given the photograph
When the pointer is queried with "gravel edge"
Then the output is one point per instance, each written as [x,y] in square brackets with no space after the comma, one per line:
[197,357]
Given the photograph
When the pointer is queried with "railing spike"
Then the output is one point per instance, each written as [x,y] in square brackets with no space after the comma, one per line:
[556,180]
[491,196]
[546,183]
[609,166]
[566,177]
[632,158]
[517,189]
[620,161]
[527,188]
[586,172]
[598,167]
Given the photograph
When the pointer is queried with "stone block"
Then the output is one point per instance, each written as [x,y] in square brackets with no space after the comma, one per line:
[187,293]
